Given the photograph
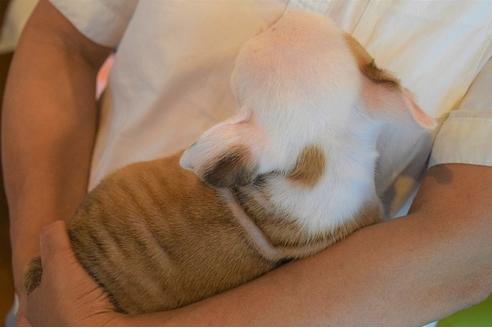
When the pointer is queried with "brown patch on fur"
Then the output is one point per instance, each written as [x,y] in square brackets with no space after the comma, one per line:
[368,66]
[234,168]
[310,166]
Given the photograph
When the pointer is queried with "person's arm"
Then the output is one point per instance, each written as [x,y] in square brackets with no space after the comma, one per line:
[405,272]
[48,127]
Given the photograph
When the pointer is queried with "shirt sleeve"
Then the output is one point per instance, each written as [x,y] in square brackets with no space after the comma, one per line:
[102,21]
[466,135]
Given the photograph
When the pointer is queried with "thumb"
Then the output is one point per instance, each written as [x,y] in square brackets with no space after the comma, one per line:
[54,241]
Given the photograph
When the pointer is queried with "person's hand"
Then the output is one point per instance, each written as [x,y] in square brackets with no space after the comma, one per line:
[67,295]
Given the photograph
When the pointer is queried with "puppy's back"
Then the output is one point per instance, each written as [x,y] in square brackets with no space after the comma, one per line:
[157,238]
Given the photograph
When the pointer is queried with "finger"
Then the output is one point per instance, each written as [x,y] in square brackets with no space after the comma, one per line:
[54,240]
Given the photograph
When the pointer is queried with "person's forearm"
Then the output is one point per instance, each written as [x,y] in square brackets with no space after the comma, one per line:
[405,272]
[48,128]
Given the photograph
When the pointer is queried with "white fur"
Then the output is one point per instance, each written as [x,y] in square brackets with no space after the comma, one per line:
[261,242]
[297,84]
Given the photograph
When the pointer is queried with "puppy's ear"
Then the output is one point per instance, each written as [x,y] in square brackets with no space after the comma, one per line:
[227,154]
[382,95]
[234,167]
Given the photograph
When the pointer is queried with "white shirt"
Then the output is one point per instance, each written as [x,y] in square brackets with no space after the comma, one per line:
[16,15]
[170,79]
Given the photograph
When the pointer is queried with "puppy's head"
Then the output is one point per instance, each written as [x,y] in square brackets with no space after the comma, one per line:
[297,85]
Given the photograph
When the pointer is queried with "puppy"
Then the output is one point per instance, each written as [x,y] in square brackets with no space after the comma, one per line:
[290,174]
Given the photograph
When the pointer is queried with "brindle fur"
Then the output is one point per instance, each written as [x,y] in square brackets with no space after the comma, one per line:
[156,238]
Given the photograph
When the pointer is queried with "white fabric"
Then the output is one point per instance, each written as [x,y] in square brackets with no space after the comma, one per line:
[16,16]
[170,80]
[466,136]
[103,21]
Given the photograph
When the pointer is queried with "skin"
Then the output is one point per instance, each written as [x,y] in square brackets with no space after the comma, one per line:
[48,129]
[408,271]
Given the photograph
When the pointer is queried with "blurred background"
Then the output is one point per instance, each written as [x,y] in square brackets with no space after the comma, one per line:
[13,15]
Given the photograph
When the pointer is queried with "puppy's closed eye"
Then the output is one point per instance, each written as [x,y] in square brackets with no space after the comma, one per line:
[233,168]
